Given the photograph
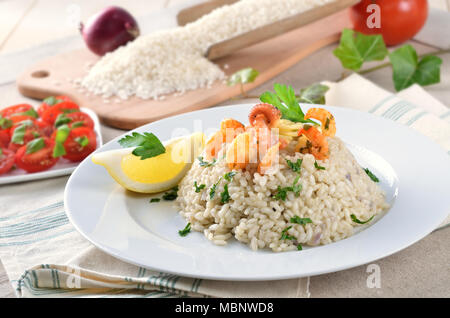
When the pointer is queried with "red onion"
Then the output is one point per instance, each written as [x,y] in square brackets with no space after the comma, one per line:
[109,29]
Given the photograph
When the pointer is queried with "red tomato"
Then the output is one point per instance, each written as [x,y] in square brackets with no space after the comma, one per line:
[44,106]
[37,161]
[81,117]
[400,19]
[74,150]
[19,118]
[6,160]
[20,108]
[45,128]
[4,138]
[51,113]
[31,132]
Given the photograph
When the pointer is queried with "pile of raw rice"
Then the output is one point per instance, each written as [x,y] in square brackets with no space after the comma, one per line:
[254,216]
[173,60]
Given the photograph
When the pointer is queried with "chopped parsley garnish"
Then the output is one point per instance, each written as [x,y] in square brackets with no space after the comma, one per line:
[285,236]
[302,221]
[206,163]
[148,145]
[225,196]
[282,192]
[371,175]
[171,195]
[212,191]
[185,231]
[199,188]
[62,133]
[285,100]
[299,247]
[35,145]
[296,167]
[229,175]
[355,219]
[318,167]
[155,200]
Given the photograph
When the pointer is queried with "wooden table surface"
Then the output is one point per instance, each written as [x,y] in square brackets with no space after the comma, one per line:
[29,31]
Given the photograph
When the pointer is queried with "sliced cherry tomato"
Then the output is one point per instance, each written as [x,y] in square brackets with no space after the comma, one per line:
[20,108]
[6,160]
[31,132]
[4,138]
[18,119]
[81,119]
[79,144]
[45,127]
[50,114]
[51,101]
[40,160]
[400,20]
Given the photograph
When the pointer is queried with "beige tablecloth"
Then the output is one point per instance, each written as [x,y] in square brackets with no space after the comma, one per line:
[45,256]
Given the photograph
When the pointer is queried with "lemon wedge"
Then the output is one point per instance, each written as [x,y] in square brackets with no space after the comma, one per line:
[155,174]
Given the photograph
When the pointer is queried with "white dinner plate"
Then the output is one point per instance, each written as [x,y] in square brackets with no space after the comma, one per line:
[61,168]
[413,170]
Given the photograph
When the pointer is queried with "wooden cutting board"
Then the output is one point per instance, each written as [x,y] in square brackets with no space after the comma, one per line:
[52,76]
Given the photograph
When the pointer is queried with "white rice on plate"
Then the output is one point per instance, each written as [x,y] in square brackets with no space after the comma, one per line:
[255,217]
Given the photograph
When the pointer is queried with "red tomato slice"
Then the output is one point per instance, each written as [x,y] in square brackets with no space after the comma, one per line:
[20,108]
[45,128]
[4,138]
[6,160]
[74,150]
[56,100]
[17,119]
[50,114]
[31,132]
[37,161]
[84,118]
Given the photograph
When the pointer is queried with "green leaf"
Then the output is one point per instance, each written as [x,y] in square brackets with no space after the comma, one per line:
[78,124]
[371,175]
[296,167]
[148,145]
[314,94]
[19,132]
[203,163]
[285,236]
[61,136]
[212,191]
[299,247]
[155,200]
[62,119]
[199,188]
[244,76]
[229,175]
[225,196]
[5,123]
[31,112]
[171,195]
[52,101]
[407,69]
[83,141]
[302,221]
[281,193]
[285,100]
[185,231]
[318,167]
[35,145]
[355,219]
[354,50]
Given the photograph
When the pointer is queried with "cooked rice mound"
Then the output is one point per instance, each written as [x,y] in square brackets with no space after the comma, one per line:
[254,216]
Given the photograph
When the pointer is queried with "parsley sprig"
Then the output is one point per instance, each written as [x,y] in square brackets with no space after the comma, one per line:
[147,145]
[282,192]
[186,230]
[285,100]
[371,175]
[285,236]
[318,167]
[302,221]
[203,163]
[295,166]
[356,220]
[199,188]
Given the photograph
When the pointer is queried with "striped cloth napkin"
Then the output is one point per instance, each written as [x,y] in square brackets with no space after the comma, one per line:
[44,256]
